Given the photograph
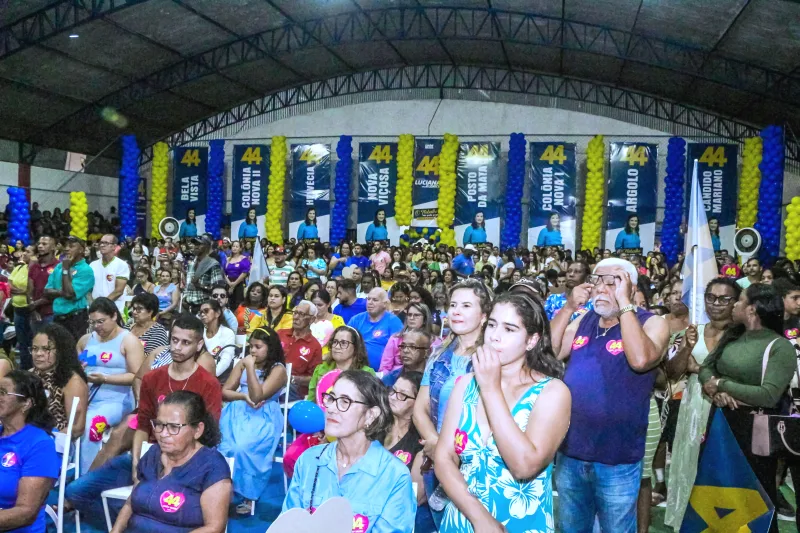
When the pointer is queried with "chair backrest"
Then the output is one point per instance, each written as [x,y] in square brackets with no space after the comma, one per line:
[63,442]
[145,446]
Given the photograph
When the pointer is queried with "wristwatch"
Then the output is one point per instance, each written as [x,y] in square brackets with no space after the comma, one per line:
[629,307]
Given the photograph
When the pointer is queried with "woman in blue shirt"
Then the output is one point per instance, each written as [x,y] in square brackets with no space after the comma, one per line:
[308,229]
[377,230]
[713,227]
[340,260]
[249,228]
[476,232]
[551,234]
[28,461]
[188,226]
[315,266]
[184,484]
[356,466]
[629,236]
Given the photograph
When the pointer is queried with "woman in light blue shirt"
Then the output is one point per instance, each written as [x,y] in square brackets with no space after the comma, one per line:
[377,230]
[476,232]
[551,234]
[308,229]
[629,236]
[315,266]
[249,228]
[713,227]
[188,226]
[356,466]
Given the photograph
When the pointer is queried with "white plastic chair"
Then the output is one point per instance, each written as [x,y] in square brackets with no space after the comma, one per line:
[120,493]
[414,488]
[63,442]
[285,407]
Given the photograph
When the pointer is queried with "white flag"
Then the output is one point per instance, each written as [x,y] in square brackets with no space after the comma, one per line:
[259,269]
[700,264]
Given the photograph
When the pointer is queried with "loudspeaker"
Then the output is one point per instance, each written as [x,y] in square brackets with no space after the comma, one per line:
[746,243]
[169,227]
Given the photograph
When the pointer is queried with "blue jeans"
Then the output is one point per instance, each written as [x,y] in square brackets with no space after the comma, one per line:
[24,333]
[84,493]
[586,490]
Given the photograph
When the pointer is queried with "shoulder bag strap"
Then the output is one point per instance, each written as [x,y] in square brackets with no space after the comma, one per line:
[765,359]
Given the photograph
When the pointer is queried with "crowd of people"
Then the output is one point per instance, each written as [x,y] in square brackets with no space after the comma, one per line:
[488,379]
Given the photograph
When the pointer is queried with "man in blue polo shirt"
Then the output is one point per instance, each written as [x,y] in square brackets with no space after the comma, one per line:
[463,263]
[376,325]
[69,284]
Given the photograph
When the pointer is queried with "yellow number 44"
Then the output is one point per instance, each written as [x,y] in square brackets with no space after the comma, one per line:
[429,165]
[381,153]
[309,156]
[635,154]
[554,153]
[714,155]
[252,156]
[191,158]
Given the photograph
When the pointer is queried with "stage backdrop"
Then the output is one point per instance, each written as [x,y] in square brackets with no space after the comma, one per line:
[377,187]
[717,171]
[552,194]
[425,193]
[310,187]
[632,186]
[250,178]
[190,184]
[478,183]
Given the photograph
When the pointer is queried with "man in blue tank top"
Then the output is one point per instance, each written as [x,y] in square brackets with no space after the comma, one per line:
[612,352]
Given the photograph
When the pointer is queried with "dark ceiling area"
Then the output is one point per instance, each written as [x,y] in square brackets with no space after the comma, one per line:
[166,64]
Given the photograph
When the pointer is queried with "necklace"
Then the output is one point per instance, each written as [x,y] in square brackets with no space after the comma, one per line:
[604,332]
[186,382]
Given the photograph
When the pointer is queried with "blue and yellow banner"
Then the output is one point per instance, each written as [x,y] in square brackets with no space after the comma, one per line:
[726,495]
[631,215]
[377,186]
[478,196]
[717,172]
[250,179]
[310,192]
[190,184]
[553,199]
[425,193]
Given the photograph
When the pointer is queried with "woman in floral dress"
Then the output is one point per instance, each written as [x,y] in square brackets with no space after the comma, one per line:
[503,426]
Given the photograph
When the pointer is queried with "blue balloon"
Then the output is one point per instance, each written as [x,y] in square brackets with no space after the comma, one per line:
[307,417]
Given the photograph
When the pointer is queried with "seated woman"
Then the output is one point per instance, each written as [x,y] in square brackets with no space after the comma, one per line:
[251,313]
[515,379]
[220,340]
[57,365]
[168,294]
[113,356]
[252,422]
[278,315]
[30,463]
[403,440]
[325,322]
[144,283]
[356,466]
[418,316]
[192,479]
[346,351]
[144,310]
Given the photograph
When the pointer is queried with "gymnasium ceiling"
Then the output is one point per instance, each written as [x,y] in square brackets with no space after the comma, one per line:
[167,64]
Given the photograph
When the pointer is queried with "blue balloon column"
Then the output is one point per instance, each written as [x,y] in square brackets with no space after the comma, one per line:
[671,242]
[770,194]
[129,184]
[514,187]
[216,188]
[341,189]
[19,223]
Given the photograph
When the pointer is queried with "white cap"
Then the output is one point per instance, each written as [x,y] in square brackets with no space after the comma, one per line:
[470,247]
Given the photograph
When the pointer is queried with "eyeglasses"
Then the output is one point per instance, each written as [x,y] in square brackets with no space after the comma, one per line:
[172,429]
[405,346]
[220,296]
[606,279]
[343,403]
[4,392]
[723,300]
[137,309]
[93,323]
[337,343]
[42,349]
[402,396]
[298,314]
[414,315]
[400,299]
[204,311]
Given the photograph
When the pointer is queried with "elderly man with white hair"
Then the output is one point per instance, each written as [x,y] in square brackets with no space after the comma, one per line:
[612,354]
[376,325]
[300,348]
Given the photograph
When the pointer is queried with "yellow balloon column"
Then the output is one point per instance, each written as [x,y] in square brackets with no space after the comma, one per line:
[277,182]
[405,180]
[792,224]
[158,194]
[595,183]
[447,188]
[79,209]
[748,185]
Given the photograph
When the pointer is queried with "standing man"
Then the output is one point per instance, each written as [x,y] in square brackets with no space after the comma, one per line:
[752,270]
[358,259]
[577,273]
[301,348]
[111,273]
[612,351]
[21,292]
[279,273]
[69,286]
[376,325]
[380,260]
[38,273]
[463,263]
[204,272]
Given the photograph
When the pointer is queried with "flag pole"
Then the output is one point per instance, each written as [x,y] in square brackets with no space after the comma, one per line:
[695,255]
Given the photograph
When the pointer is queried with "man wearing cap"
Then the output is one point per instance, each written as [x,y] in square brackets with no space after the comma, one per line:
[463,263]
[279,274]
[204,272]
[111,273]
[613,351]
[69,285]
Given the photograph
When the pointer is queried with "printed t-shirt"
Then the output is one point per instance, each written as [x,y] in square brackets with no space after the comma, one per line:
[38,275]
[106,276]
[303,353]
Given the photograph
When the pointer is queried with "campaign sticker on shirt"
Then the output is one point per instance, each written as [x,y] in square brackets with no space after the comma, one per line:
[161,398]
[579,342]
[460,441]
[50,270]
[9,460]
[97,428]
[106,357]
[74,271]
[109,277]
[614,347]
[791,333]
[171,501]
[144,343]
[377,333]
[360,523]
[403,456]
[216,350]
[304,351]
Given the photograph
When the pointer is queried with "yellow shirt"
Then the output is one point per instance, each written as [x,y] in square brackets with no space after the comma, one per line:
[386,285]
[19,279]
